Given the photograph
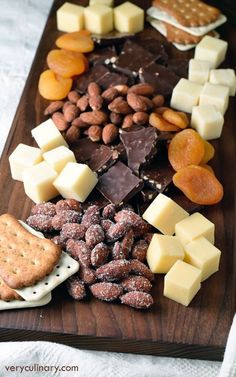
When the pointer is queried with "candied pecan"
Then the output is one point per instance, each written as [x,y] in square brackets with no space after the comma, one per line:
[99,254]
[91,216]
[115,232]
[94,235]
[139,250]
[117,251]
[79,251]
[87,275]
[68,204]
[65,217]
[128,217]
[58,241]
[139,268]
[142,229]
[109,212]
[138,300]
[106,291]
[42,223]
[106,224]
[136,283]
[76,288]
[148,237]
[71,230]
[47,208]
[114,270]
[127,242]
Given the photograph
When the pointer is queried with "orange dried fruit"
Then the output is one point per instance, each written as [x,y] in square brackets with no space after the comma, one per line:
[177,118]
[208,167]
[52,86]
[161,124]
[186,148]
[66,63]
[199,185]
[78,41]
[209,152]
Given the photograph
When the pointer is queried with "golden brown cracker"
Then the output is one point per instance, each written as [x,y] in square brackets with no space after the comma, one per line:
[189,13]
[176,35]
[24,258]
[8,294]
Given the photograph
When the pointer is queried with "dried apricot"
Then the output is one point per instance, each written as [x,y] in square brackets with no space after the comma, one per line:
[52,86]
[161,124]
[66,63]
[177,118]
[186,148]
[208,167]
[78,41]
[209,152]
[199,185]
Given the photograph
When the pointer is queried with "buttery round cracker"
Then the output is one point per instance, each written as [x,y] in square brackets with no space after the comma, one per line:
[189,13]
[8,294]
[24,258]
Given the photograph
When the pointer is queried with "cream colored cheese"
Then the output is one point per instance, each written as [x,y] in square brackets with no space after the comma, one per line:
[47,136]
[70,17]
[185,95]
[128,18]
[211,49]
[98,19]
[59,157]
[22,158]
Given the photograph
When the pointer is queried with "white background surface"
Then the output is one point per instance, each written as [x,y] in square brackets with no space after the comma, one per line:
[21,26]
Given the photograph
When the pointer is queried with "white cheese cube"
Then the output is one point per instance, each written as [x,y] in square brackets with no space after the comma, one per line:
[108,3]
[58,157]
[207,121]
[224,77]
[98,19]
[70,17]
[211,49]
[163,213]
[47,136]
[217,95]
[193,227]
[22,158]
[76,181]
[185,95]
[198,71]
[182,282]
[38,182]
[203,255]
[163,252]
[128,18]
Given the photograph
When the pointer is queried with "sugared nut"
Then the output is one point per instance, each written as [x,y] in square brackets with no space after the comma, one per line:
[109,133]
[40,222]
[94,235]
[113,270]
[106,291]
[76,288]
[99,254]
[91,216]
[79,251]
[64,217]
[138,300]
[47,208]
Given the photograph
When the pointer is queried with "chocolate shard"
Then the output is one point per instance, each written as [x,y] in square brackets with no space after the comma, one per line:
[102,159]
[179,67]
[84,149]
[140,146]
[119,149]
[158,175]
[152,41]
[104,55]
[95,73]
[112,38]
[95,198]
[132,58]
[148,195]
[112,79]
[119,184]
[162,78]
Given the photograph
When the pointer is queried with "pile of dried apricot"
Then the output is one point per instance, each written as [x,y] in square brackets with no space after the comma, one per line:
[188,154]
[65,63]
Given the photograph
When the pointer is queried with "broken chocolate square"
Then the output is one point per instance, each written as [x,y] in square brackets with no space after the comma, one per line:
[140,146]
[97,199]
[148,195]
[179,67]
[151,40]
[162,78]
[112,79]
[158,175]
[84,149]
[112,38]
[120,150]
[132,58]
[103,55]
[119,184]
[95,73]
[102,159]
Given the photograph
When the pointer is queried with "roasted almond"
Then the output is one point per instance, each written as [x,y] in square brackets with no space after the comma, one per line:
[53,107]
[93,89]
[77,122]
[110,94]
[114,270]
[122,89]
[95,133]
[59,121]
[127,121]
[138,300]
[106,291]
[96,117]
[136,283]
[119,105]
[72,135]
[109,133]
[83,103]
[140,118]
[71,112]
[142,89]
[95,102]
[137,103]
[158,100]
[73,96]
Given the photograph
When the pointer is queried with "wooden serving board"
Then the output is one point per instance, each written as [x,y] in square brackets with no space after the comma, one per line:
[170,329]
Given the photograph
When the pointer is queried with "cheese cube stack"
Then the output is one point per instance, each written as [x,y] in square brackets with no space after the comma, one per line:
[199,71]
[185,95]
[23,157]
[70,17]
[128,18]
[211,49]
[217,95]
[47,136]
[207,121]
[59,157]
[98,19]
[182,282]
[224,77]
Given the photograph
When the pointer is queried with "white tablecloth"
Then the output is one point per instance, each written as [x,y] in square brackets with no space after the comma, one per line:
[21,25]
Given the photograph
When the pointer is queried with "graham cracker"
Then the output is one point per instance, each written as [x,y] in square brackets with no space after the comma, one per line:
[189,13]
[24,258]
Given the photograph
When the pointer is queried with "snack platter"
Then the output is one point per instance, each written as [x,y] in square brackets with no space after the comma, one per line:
[168,329]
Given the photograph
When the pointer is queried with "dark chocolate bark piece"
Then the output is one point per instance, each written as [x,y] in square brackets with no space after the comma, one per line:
[95,73]
[140,146]
[148,195]
[119,184]
[102,159]
[112,38]
[84,149]
[132,58]
[121,152]
[112,79]
[151,40]
[95,198]
[105,55]
[179,67]
[162,78]
[158,175]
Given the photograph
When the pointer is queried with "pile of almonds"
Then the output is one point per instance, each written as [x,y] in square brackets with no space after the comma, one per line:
[110,245]
[99,114]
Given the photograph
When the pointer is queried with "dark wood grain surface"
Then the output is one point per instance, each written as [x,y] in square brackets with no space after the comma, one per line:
[199,331]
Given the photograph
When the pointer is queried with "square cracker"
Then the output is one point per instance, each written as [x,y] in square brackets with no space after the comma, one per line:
[175,35]
[24,258]
[189,13]
[8,294]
